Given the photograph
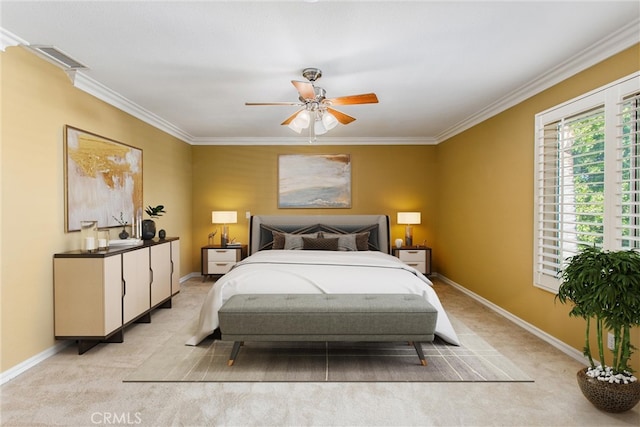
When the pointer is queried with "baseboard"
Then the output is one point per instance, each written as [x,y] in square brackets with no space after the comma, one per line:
[550,339]
[33,361]
[190,276]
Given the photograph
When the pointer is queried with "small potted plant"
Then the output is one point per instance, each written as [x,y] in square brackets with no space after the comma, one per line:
[148,225]
[123,234]
[604,288]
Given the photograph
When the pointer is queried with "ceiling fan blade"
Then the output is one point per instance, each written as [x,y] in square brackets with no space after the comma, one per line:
[272,103]
[305,89]
[340,116]
[365,98]
[291,117]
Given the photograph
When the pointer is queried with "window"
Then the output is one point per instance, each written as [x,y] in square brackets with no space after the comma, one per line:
[587,177]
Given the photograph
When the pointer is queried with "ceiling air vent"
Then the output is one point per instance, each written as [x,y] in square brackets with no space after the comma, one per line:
[57,57]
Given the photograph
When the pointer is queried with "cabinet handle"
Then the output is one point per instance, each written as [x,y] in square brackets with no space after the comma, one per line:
[151,276]
[413,252]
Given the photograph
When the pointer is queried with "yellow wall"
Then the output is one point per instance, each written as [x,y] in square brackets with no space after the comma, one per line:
[485,205]
[385,180]
[37,101]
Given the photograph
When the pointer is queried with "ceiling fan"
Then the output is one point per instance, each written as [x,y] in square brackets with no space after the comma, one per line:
[317,112]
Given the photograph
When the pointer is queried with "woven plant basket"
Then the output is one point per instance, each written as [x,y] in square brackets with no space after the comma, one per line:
[609,397]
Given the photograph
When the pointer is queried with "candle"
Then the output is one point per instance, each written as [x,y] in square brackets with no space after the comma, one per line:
[102,243]
[90,243]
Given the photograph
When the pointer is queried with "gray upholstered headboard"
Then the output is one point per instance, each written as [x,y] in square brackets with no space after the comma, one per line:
[260,235]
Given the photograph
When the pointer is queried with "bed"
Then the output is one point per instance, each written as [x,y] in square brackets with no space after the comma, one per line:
[319,254]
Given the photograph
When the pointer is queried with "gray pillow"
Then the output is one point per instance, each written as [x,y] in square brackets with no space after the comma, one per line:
[294,241]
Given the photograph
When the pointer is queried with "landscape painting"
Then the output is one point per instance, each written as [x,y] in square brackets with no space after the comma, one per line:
[314,181]
[103,180]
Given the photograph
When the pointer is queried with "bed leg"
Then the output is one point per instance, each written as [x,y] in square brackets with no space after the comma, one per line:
[234,352]
[418,347]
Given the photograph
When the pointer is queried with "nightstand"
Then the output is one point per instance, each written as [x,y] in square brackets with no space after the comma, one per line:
[418,257]
[216,260]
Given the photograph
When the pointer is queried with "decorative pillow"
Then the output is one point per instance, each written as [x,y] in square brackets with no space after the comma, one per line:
[320,244]
[294,241]
[278,240]
[362,241]
[346,242]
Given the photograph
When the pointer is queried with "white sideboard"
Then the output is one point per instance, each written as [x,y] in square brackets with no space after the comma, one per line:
[96,295]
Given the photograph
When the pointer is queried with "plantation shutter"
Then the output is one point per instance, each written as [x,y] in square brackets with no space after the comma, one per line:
[587,182]
[628,194]
[571,188]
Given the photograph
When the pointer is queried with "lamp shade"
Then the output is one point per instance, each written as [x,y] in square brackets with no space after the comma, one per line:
[318,127]
[408,217]
[294,128]
[224,217]
[329,121]
[302,120]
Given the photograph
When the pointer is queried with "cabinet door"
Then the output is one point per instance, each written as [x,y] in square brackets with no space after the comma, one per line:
[160,273]
[87,296]
[175,267]
[136,276]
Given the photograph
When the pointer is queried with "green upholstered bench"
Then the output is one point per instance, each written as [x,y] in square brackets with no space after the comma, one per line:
[327,317]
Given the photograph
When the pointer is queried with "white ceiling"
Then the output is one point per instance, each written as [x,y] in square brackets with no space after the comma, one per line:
[437,67]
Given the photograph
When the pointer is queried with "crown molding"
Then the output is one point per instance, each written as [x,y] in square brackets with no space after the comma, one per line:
[8,39]
[624,38]
[100,91]
[321,140]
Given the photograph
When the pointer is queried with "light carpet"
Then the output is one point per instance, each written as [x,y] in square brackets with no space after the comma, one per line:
[473,361]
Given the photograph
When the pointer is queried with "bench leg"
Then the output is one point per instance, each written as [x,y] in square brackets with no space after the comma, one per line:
[418,347]
[234,352]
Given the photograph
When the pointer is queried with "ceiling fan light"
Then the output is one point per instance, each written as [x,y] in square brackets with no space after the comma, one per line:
[319,128]
[302,120]
[294,128]
[329,121]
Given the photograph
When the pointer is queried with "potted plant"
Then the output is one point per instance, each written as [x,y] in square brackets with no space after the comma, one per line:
[604,288]
[148,225]
[123,234]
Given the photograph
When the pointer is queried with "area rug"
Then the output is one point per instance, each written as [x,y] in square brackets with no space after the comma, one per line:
[473,361]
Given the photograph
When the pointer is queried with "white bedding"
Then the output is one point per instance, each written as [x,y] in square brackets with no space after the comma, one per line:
[308,272]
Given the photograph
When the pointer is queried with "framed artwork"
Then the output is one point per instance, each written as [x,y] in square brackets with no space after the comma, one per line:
[103,180]
[314,181]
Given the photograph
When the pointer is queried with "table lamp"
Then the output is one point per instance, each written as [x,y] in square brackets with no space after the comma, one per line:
[224,218]
[408,218]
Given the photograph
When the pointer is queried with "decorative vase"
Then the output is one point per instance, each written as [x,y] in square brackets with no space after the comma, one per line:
[162,234]
[123,234]
[148,229]
[609,397]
